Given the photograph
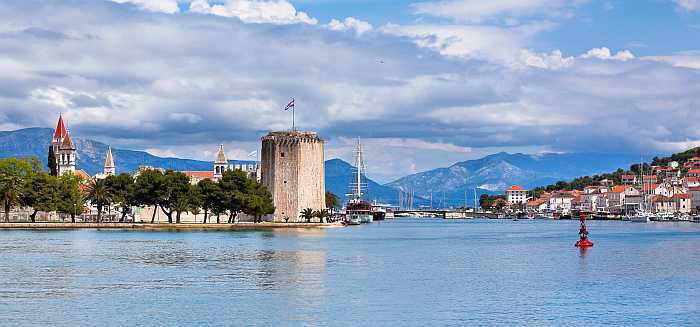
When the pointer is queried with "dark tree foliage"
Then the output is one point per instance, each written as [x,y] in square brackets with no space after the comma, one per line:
[53,169]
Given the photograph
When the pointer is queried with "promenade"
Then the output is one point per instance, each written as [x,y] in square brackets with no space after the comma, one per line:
[163,226]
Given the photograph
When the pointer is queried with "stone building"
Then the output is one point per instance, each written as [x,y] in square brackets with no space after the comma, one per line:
[63,148]
[293,171]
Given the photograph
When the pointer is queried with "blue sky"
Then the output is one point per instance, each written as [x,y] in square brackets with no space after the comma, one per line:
[424,83]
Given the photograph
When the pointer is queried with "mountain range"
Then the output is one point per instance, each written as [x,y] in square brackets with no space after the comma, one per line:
[496,172]
[491,174]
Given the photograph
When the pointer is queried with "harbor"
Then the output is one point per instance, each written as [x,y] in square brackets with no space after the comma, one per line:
[408,272]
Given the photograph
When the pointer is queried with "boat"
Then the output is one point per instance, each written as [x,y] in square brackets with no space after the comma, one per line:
[358,212]
[358,209]
[641,216]
[378,212]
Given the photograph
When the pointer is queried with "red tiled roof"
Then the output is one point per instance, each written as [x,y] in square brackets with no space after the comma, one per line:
[515,188]
[694,171]
[681,196]
[67,143]
[60,129]
[694,189]
[198,174]
[618,189]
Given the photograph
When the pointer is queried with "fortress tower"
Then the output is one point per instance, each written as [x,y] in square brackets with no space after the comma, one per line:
[293,171]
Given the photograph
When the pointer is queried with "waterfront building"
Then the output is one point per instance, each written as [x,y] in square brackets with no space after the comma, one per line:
[694,193]
[516,195]
[293,171]
[562,201]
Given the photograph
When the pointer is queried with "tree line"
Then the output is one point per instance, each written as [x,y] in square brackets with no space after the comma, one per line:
[24,184]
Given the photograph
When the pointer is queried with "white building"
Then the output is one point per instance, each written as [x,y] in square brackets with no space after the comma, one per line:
[516,195]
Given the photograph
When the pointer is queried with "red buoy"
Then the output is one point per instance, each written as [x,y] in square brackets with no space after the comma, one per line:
[583,242]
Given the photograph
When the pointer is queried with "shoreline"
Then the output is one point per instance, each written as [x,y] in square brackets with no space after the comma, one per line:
[164,226]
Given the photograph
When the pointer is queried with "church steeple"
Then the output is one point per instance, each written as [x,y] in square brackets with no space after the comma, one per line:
[109,168]
[60,132]
[220,164]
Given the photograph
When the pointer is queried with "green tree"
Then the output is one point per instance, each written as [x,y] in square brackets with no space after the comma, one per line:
[258,201]
[40,193]
[195,201]
[174,197]
[13,173]
[150,190]
[53,169]
[307,214]
[234,184]
[332,201]
[123,190]
[98,195]
[211,196]
[322,215]
[70,197]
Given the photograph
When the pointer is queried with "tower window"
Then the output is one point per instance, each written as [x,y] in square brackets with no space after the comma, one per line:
[282,154]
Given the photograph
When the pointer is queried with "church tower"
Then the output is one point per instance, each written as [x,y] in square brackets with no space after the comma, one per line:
[221,164]
[109,169]
[63,149]
[66,156]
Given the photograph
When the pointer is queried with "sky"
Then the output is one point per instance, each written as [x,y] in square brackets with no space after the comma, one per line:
[424,83]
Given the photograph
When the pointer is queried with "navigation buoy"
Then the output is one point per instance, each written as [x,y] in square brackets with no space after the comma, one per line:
[583,242]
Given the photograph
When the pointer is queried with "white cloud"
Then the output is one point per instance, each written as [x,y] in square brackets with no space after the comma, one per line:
[689,5]
[185,82]
[688,59]
[605,54]
[465,41]
[255,11]
[480,11]
[552,60]
[350,23]
[166,6]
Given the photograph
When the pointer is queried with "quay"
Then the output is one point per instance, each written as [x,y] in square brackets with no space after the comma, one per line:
[163,226]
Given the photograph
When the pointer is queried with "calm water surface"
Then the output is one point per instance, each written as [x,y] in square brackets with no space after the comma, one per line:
[395,273]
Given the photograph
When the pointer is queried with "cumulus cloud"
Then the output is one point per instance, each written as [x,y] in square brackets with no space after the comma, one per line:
[180,83]
[350,23]
[255,11]
[689,5]
[552,60]
[605,54]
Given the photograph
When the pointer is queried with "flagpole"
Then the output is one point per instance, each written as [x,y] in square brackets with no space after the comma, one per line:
[293,108]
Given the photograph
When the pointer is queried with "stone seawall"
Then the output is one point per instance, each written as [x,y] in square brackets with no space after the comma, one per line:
[239,226]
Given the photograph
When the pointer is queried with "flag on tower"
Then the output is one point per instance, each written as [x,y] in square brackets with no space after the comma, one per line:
[289,105]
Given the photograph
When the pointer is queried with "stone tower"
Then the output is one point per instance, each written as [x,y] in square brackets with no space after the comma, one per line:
[220,164]
[293,171]
[110,169]
[66,156]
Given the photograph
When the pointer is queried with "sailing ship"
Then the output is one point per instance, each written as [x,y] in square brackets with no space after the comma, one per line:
[358,211]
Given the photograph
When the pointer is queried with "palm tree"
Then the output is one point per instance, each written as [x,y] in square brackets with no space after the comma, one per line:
[322,215]
[9,194]
[98,194]
[307,214]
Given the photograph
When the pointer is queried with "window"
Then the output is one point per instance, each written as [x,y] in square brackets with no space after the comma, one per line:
[282,154]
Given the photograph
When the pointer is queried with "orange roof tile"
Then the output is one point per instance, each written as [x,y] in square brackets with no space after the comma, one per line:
[198,174]
[515,188]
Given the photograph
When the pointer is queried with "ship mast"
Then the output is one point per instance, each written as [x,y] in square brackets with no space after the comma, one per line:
[358,186]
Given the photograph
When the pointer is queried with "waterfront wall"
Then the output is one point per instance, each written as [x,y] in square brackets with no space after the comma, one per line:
[293,171]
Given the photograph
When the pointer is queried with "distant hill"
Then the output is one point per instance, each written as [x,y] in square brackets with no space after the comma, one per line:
[494,173]
[91,154]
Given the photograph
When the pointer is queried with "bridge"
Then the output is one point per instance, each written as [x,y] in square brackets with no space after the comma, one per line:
[444,214]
